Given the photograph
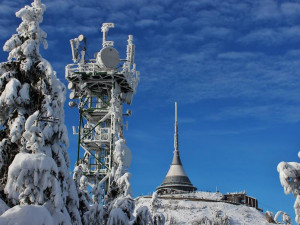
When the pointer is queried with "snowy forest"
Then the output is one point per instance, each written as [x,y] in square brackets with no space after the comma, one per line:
[36,187]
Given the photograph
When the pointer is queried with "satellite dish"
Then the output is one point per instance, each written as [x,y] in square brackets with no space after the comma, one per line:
[73,95]
[108,57]
[128,98]
[71,85]
[72,104]
[81,37]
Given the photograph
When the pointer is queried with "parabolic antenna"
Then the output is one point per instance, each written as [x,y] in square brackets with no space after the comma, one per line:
[81,37]
[108,57]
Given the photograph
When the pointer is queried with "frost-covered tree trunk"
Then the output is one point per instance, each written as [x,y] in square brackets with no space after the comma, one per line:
[34,162]
[289,174]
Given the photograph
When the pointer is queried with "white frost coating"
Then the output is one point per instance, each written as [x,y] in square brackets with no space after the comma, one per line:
[5,77]
[44,132]
[159,219]
[83,183]
[30,30]
[24,94]
[202,194]
[176,170]
[17,128]
[126,204]
[30,120]
[26,215]
[143,216]
[10,92]
[96,192]
[3,207]
[29,176]
[95,215]
[285,218]
[122,154]
[117,217]
[122,160]
[289,175]
[33,135]
[124,182]
[12,43]
[198,212]
[154,196]
[155,204]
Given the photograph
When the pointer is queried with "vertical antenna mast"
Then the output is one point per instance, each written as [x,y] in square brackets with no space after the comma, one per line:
[176,129]
[100,99]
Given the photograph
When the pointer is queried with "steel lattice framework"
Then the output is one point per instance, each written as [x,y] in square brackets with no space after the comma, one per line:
[99,88]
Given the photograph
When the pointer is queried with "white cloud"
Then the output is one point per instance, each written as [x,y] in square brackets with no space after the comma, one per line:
[269,112]
[267,36]
[290,9]
[151,11]
[239,55]
[266,10]
[244,50]
[146,23]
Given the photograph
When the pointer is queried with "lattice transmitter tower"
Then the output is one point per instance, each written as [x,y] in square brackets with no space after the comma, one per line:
[99,88]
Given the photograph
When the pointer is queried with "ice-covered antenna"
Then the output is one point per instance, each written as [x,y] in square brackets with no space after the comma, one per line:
[104,29]
[75,45]
[130,50]
[176,129]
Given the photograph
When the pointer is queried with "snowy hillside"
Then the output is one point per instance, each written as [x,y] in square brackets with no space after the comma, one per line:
[203,212]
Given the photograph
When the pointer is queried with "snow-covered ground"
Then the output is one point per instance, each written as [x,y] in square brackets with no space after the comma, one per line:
[197,212]
[199,194]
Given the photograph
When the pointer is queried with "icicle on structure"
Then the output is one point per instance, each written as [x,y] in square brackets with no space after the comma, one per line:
[99,88]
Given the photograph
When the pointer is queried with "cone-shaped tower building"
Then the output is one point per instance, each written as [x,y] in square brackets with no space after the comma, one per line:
[176,180]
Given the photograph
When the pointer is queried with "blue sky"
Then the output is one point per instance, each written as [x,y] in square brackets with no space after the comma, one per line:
[232,66]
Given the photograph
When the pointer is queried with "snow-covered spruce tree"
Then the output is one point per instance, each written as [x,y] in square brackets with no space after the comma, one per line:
[143,216]
[289,174]
[34,161]
[158,217]
[87,213]
[119,204]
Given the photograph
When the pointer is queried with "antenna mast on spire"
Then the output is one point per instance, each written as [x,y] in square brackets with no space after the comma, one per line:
[176,130]
[176,180]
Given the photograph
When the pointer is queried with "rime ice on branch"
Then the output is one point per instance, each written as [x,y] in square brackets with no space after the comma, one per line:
[289,174]
[34,162]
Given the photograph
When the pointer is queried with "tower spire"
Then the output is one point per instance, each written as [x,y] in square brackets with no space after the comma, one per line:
[176,130]
[176,180]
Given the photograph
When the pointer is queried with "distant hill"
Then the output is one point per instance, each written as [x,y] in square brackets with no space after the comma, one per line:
[202,208]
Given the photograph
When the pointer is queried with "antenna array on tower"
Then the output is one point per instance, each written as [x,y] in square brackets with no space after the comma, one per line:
[99,87]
